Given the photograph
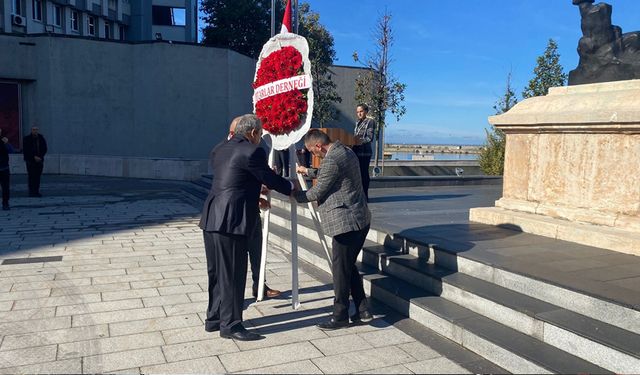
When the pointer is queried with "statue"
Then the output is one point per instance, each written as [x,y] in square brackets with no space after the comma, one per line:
[606,54]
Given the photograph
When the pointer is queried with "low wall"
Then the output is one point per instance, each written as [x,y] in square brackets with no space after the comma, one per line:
[431,168]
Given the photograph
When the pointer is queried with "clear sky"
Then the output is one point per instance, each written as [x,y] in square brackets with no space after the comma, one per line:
[454,55]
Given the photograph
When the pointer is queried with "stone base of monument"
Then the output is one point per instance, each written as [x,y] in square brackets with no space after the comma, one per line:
[572,166]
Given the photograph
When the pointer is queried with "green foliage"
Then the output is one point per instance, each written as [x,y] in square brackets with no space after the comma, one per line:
[321,55]
[492,154]
[548,72]
[377,86]
[240,25]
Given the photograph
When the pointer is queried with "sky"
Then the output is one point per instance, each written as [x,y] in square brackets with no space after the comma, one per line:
[454,56]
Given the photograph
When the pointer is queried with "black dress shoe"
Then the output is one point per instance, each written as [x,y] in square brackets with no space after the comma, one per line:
[362,317]
[332,324]
[242,335]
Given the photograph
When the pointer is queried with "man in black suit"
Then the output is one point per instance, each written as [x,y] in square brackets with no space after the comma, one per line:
[34,147]
[239,170]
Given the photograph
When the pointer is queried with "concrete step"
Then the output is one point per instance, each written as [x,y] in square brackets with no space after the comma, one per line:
[617,349]
[448,254]
[504,346]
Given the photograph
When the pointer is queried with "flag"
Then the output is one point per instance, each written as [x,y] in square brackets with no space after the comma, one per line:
[286,20]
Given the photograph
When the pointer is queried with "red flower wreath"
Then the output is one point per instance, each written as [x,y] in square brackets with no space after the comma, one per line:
[281,113]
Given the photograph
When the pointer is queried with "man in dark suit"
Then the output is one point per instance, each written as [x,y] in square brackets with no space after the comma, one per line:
[239,168]
[34,147]
[345,216]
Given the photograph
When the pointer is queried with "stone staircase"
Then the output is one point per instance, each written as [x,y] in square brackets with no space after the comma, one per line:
[521,323]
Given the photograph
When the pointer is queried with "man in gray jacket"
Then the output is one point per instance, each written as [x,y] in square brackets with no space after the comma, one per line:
[345,216]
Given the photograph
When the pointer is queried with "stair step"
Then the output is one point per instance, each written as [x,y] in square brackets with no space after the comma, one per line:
[460,254]
[618,349]
[469,329]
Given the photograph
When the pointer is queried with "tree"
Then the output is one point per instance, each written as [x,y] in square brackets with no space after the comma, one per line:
[548,72]
[321,55]
[240,25]
[492,154]
[377,86]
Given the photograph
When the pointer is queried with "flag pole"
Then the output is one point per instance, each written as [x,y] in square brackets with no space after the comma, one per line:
[273,18]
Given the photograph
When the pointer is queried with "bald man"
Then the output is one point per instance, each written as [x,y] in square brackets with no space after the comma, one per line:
[255,238]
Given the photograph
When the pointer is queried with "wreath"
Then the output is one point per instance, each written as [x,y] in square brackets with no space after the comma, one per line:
[284,112]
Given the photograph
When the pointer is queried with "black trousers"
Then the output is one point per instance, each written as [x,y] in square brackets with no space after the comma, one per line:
[255,251]
[227,270]
[346,278]
[5,177]
[35,171]
[364,158]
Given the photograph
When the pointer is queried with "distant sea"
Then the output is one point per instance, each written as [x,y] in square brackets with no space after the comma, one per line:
[434,156]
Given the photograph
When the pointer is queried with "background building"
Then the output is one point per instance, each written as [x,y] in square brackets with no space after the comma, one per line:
[140,109]
[131,20]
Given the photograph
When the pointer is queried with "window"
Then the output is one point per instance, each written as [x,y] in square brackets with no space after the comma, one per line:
[107,30]
[91,23]
[57,15]
[113,4]
[17,7]
[123,36]
[37,9]
[74,20]
[168,16]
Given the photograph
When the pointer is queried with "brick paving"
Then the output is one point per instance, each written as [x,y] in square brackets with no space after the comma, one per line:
[129,295]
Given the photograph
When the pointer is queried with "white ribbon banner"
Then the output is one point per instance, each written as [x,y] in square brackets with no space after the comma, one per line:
[300,82]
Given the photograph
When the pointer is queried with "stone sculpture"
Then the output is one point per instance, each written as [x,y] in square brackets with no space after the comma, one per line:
[606,54]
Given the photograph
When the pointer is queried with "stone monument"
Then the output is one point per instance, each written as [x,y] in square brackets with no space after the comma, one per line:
[572,166]
[606,54]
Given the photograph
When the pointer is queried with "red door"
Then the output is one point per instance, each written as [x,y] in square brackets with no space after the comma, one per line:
[10,112]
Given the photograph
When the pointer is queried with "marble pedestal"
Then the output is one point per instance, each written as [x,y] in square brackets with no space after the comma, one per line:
[572,166]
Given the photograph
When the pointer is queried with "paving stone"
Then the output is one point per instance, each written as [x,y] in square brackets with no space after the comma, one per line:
[182,335]
[128,371]
[126,278]
[51,284]
[123,360]
[198,297]
[168,301]
[27,356]
[14,316]
[25,295]
[104,264]
[6,305]
[170,268]
[386,337]
[419,351]
[117,316]
[109,345]
[99,307]
[247,360]
[187,273]
[158,324]
[199,349]
[57,301]
[195,279]
[87,289]
[24,326]
[362,360]
[397,369]
[439,365]
[299,367]
[69,366]
[25,279]
[32,271]
[208,365]
[42,338]
[130,294]
[90,274]
[341,344]
[277,336]
[161,283]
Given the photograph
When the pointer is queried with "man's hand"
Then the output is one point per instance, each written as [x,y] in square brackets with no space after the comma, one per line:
[5,140]
[264,190]
[264,204]
[37,158]
[302,170]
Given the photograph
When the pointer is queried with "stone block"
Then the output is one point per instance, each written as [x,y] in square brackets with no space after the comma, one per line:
[436,366]
[105,345]
[208,365]
[265,357]
[69,366]
[117,316]
[299,367]
[27,356]
[98,307]
[123,360]
[157,324]
[43,338]
[362,360]
[199,349]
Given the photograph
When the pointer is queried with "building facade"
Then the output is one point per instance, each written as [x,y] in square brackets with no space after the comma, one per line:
[130,20]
